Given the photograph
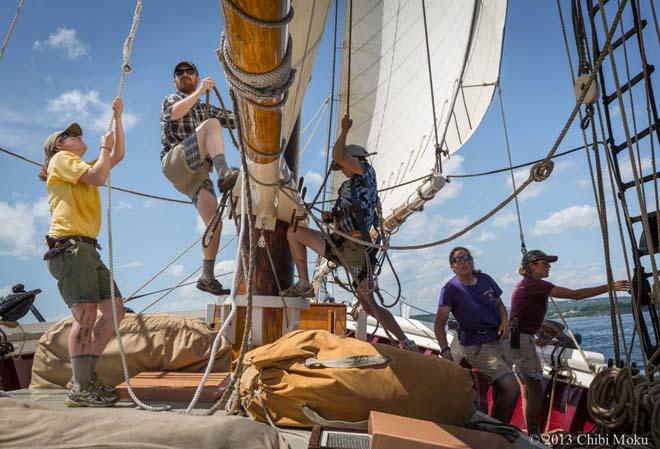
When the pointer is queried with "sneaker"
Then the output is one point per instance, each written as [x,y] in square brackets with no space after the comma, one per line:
[89,397]
[227,181]
[297,290]
[212,286]
[107,390]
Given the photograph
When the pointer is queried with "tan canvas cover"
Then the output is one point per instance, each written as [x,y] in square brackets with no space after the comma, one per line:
[158,342]
[27,425]
[412,385]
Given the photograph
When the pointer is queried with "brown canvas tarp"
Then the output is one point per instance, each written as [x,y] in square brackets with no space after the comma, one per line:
[26,425]
[159,342]
[277,379]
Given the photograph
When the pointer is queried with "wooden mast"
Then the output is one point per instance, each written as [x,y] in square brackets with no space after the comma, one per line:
[258,49]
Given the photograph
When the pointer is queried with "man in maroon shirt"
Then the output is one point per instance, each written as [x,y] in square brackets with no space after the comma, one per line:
[529,304]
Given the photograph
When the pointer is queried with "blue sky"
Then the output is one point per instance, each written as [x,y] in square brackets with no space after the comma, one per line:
[63,64]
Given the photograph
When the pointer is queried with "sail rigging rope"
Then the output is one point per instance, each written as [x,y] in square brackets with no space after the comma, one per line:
[631,155]
[523,248]
[577,22]
[5,42]
[438,149]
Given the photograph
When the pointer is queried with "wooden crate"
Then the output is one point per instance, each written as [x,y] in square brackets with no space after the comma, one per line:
[327,316]
[174,386]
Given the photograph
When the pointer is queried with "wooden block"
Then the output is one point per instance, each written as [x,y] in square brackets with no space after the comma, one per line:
[394,432]
[326,316]
[174,386]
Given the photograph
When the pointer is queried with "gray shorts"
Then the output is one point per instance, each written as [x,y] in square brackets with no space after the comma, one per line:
[186,170]
[525,359]
[492,359]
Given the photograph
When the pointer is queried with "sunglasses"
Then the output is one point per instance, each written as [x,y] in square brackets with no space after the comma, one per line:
[181,72]
[463,258]
[544,262]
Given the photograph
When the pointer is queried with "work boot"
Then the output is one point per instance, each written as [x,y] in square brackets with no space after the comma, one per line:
[299,291]
[228,179]
[212,286]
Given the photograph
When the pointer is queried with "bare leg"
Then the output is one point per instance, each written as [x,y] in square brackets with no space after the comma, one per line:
[532,398]
[104,329]
[505,398]
[366,298]
[209,138]
[299,241]
[82,329]
[206,206]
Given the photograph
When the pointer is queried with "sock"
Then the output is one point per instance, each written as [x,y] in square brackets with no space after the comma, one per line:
[80,365]
[208,266]
[220,164]
[93,360]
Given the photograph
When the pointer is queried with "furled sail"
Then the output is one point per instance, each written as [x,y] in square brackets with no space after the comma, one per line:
[390,96]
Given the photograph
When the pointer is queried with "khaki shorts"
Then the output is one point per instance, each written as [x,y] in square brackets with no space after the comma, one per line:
[342,250]
[82,277]
[492,359]
[525,360]
[177,170]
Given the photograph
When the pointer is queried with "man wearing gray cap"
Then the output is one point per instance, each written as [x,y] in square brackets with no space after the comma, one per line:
[73,260]
[353,213]
[529,304]
[192,146]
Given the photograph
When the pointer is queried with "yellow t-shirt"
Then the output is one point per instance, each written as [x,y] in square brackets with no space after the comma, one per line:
[75,207]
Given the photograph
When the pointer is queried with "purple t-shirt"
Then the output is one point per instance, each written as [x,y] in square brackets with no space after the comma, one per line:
[474,307]
[529,303]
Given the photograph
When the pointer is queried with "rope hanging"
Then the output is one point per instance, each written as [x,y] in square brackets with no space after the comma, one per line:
[523,248]
[5,42]
[438,149]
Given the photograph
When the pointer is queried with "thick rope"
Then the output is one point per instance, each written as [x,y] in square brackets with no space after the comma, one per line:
[5,42]
[128,46]
[523,247]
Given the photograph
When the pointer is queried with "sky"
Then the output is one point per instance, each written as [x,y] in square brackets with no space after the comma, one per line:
[63,64]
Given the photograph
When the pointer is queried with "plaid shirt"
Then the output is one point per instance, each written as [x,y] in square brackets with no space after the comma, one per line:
[172,132]
[366,194]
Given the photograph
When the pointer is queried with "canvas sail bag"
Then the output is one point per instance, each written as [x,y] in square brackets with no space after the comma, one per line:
[315,377]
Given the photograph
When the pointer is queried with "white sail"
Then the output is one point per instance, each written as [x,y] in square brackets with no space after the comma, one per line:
[306,30]
[390,96]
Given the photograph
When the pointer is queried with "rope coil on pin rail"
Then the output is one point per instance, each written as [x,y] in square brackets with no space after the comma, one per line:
[10,31]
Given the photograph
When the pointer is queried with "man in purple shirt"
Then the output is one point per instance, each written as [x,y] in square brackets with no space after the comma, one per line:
[529,304]
[474,299]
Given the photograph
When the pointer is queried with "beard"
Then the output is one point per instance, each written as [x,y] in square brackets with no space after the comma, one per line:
[186,85]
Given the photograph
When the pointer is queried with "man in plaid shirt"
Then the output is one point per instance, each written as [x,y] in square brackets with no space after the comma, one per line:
[192,146]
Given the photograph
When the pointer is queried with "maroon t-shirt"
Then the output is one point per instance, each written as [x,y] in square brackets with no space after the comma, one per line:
[529,303]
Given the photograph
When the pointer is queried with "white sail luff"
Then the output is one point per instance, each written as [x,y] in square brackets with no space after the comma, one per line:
[390,101]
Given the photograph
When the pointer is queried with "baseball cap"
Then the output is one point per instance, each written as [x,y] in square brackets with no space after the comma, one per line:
[49,145]
[356,151]
[188,63]
[535,255]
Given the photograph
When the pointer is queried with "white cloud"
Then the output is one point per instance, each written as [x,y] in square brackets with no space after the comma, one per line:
[121,204]
[502,221]
[132,264]
[484,236]
[86,107]
[175,270]
[228,227]
[313,178]
[532,191]
[571,217]
[22,223]
[225,266]
[65,39]
[626,170]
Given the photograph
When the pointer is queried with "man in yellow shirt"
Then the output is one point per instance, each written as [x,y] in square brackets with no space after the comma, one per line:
[73,260]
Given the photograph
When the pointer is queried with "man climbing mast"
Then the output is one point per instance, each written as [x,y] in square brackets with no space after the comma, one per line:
[192,146]
[354,212]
